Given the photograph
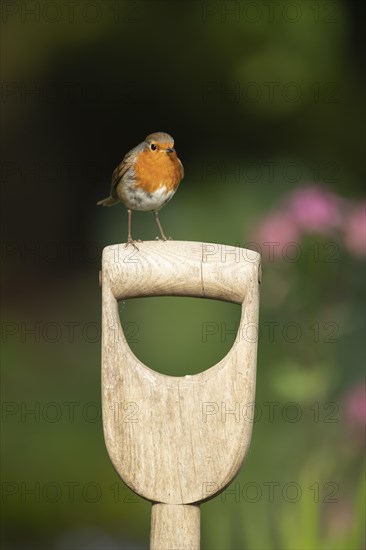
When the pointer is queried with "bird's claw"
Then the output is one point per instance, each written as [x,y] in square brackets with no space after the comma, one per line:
[132,243]
[163,239]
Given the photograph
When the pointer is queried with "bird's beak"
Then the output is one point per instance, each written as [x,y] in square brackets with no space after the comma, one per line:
[169,150]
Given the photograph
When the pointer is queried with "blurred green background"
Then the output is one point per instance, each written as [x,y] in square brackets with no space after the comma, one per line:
[265,102]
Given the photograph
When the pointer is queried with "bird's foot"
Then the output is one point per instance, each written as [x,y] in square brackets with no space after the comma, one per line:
[163,238]
[132,242]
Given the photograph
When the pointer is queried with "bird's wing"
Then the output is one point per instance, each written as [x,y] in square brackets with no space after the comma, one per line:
[127,162]
[181,169]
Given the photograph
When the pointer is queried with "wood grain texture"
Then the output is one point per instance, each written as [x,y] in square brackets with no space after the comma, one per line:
[178,440]
[175,268]
[175,527]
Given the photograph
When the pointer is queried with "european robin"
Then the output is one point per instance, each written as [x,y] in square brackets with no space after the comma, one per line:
[147,178]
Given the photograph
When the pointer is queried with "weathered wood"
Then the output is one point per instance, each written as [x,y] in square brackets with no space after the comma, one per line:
[178,440]
[175,527]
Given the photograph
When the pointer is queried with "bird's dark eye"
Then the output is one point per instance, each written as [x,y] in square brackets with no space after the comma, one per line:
[153,146]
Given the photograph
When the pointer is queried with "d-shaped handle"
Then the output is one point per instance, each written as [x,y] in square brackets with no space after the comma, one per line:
[180,268]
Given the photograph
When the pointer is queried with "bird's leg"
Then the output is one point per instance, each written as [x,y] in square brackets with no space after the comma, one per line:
[129,238]
[159,226]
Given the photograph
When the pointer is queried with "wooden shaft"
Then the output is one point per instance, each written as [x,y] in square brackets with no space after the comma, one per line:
[175,527]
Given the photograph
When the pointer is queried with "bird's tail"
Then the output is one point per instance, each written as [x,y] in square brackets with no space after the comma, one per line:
[109,201]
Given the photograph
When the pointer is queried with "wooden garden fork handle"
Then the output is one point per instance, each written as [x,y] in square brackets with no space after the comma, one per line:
[178,452]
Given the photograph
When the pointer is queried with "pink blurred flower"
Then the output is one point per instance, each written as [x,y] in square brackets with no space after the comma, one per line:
[339,519]
[276,231]
[312,209]
[355,408]
[316,209]
[355,230]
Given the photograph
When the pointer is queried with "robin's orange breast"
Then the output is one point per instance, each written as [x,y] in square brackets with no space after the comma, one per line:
[154,170]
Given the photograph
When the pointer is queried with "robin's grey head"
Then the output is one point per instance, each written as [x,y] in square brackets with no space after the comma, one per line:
[160,142]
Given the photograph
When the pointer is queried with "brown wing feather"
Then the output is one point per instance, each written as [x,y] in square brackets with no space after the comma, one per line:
[181,169]
[127,161]
[118,174]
